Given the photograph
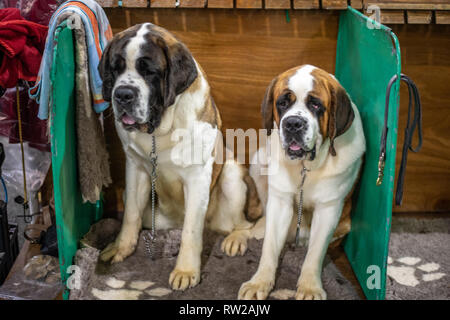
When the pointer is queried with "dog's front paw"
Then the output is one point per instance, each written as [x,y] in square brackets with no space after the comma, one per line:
[117,251]
[310,290]
[255,290]
[235,243]
[181,279]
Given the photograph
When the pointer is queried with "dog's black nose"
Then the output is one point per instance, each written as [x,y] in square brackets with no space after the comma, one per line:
[124,95]
[294,124]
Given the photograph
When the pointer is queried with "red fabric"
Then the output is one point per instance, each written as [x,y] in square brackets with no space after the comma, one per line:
[39,11]
[34,129]
[22,43]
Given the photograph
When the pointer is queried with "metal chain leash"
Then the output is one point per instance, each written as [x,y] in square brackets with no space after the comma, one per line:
[150,237]
[300,206]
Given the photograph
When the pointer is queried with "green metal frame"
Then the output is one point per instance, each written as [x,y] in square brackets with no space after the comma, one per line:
[368,55]
[73,217]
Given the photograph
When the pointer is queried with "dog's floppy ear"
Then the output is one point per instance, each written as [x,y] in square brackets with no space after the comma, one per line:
[104,69]
[180,73]
[341,115]
[267,107]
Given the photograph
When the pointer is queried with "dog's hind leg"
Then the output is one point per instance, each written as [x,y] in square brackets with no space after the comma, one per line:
[235,209]
[256,198]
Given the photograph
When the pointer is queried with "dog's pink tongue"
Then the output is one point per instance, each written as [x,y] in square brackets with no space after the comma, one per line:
[294,146]
[128,120]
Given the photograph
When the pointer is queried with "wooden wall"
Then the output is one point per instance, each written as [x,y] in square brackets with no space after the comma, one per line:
[425,53]
[242,50]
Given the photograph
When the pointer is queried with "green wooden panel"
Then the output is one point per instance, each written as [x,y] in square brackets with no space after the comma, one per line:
[73,218]
[368,55]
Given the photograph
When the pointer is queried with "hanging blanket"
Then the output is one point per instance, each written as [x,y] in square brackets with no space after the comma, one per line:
[91,32]
[93,158]
[98,33]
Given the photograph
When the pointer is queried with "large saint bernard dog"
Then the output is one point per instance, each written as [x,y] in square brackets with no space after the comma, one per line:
[157,88]
[319,128]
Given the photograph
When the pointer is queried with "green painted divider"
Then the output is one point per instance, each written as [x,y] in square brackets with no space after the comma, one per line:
[368,55]
[73,218]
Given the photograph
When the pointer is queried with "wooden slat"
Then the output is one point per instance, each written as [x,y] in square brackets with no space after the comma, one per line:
[356,4]
[392,17]
[306,4]
[419,16]
[108,3]
[410,4]
[162,3]
[442,17]
[192,3]
[334,4]
[135,3]
[220,3]
[277,4]
[248,4]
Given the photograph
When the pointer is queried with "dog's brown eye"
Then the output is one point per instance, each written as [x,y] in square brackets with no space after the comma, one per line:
[316,108]
[284,102]
[118,64]
[315,105]
[283,105]
[143,66]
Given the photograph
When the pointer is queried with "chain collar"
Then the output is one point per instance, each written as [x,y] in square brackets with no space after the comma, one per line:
[150,237]
[300,203]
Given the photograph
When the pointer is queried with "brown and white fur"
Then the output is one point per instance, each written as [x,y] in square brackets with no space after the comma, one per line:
[157,88]
[326,136]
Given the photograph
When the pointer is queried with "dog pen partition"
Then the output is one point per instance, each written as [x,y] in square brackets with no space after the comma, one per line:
[73,217]
[367,57]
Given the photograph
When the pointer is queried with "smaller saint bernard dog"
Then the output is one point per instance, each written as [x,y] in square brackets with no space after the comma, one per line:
[157,89]
[318,128]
